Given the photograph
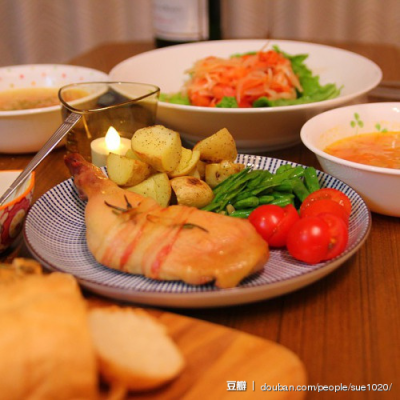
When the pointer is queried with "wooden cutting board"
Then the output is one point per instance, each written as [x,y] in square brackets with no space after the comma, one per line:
[216,355]
[218,359]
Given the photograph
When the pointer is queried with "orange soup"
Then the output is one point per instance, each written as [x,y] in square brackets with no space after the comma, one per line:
[380,149]
[27,98]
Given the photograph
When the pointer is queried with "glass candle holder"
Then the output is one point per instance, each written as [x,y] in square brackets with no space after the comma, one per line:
[111,112]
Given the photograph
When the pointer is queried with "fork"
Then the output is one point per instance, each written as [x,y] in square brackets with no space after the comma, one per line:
[57,136]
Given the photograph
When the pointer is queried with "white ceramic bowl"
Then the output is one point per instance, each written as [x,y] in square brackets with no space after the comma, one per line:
[26,131]
[256,129]
[13,213]
[380,187]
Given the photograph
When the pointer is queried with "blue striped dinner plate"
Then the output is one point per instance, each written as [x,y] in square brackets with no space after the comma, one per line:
[55,234]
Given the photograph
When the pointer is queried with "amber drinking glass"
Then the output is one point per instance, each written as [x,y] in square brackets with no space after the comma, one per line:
[120,107]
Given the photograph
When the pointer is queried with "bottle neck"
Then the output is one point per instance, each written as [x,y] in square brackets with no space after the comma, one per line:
[214,13]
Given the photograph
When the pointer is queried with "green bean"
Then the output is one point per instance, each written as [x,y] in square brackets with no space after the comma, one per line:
[253,178]
[311,179]
[229,197]
[227,200]
[250,202]
[285,186]
[244,195]
[235,187]
[276,180]
[299,189]
[264,192]
[264,174]
[284,174]
[241,193]
[298,172]
[211,206]
[283,168]
[265,199]
[282,201]
[234,190]
[279,195]
[242,213]
[230,180]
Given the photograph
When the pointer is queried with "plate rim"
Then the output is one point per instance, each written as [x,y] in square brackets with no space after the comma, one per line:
[213,299]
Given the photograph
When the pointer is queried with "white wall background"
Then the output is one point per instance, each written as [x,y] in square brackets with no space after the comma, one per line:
[54,31]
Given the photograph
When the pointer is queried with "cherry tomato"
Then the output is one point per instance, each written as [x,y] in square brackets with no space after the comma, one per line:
[317,207]
[339,235]
[317,238]
[273,222]
[308,240]
[199,100]
[327,194]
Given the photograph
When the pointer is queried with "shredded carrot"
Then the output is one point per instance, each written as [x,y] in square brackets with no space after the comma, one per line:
[246,77]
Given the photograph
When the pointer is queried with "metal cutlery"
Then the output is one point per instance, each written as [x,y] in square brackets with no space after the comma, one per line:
[57,136]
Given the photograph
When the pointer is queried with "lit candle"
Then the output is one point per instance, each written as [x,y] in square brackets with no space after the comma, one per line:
[111,143]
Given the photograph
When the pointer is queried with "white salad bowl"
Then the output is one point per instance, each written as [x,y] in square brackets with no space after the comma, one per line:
[26,131]
[254,129]
[379,187]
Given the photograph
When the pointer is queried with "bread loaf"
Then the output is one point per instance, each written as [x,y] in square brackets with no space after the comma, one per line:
[46,350]
[53,348]
[18,269]
[134,350]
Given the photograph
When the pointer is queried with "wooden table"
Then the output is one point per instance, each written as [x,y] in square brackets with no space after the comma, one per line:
[345,327]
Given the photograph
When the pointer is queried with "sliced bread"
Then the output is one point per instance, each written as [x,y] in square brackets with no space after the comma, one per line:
[134,350]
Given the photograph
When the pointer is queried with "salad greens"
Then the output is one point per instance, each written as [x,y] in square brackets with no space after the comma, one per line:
[228,102]
[175,98]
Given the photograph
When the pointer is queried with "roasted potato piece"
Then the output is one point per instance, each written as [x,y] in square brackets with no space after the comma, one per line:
[198,171]
[131,154]
[217,173]
[191,191]
[163,188]
[157,187]
[188,161]
[194,172]
[217,147]
[201,168]
[147,188]
[126,171]
[158,146]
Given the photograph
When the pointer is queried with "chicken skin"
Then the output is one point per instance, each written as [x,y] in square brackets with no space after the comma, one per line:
[133,234]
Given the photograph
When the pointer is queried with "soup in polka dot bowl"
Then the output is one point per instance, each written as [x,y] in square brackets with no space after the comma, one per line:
[29,107]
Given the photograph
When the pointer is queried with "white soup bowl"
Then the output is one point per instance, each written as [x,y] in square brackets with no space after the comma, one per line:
[379,187]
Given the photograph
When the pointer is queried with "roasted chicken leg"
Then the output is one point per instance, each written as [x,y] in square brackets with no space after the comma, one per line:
[131,233]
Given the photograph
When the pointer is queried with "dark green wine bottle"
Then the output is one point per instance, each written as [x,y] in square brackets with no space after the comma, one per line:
[185,21]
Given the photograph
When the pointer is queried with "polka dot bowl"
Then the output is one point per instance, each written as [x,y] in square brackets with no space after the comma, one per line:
[12,213]
[26,131]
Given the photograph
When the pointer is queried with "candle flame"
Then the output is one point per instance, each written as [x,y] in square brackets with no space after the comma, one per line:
[112,139]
